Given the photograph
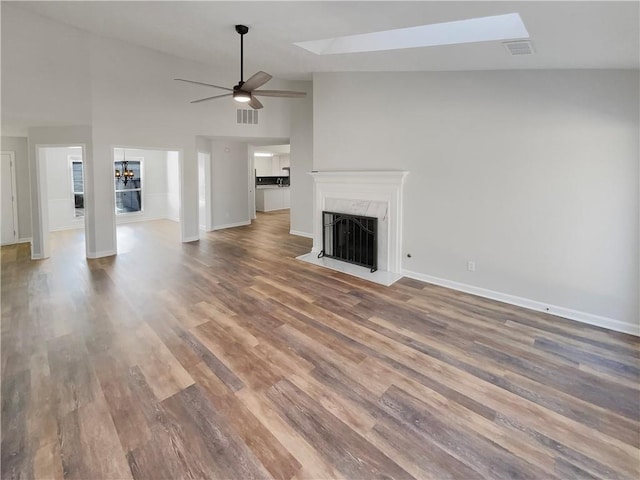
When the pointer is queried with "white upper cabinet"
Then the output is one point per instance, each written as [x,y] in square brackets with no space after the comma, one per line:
[272,166]
[264,166]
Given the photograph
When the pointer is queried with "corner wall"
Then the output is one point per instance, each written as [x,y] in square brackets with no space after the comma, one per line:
[533,175]
[229,184]
[301,157]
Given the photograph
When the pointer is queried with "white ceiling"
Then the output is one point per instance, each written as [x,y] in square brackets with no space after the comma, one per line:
[574,34]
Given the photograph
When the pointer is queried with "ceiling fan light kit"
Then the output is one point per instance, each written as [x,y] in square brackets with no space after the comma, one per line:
[245,92]
[241,96]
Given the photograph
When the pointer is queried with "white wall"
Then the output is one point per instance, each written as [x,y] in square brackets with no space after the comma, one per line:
[45,73]
[18,145]
[532,174]
[59,189]
[301,159]
[230,185]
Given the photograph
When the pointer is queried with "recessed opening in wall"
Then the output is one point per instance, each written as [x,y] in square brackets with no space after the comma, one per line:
[272,167]
[146,184]
[146,187]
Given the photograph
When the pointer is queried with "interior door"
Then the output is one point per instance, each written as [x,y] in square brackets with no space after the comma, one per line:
[8,199]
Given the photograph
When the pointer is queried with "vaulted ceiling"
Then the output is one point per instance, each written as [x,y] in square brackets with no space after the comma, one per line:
[569,34]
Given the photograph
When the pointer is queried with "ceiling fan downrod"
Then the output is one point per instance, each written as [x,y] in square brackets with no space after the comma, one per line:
[246,92]
[242,30]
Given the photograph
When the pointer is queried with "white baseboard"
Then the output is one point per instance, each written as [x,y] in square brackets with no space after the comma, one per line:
[584,317]
[191,239]
[231,225]
[24,240]
[274,210]
[135,218]
[104,253]
[67,227]
[301,234]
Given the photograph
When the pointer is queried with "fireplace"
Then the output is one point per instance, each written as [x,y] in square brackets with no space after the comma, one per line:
[350,238]
[373,193]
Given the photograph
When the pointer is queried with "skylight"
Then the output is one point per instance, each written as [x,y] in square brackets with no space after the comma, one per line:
[483,29]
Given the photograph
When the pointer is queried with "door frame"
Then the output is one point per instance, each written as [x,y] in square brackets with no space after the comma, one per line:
[252,183]
[14,195]
[206,180]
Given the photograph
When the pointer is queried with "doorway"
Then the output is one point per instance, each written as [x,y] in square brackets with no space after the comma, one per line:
[60,183]
[65,187]
[272,165]
[146,186]
[8,197]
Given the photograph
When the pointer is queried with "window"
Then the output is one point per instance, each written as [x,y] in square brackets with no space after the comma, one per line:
[129,194]
[77,184]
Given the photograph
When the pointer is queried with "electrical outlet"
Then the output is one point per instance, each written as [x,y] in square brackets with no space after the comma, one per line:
[471,266]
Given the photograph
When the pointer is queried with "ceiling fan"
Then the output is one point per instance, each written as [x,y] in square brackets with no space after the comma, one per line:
[245,92]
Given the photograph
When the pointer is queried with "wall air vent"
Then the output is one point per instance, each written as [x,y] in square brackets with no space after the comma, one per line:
[247,116]
[520,47]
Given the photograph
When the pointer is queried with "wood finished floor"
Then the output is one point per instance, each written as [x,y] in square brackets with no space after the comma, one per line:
[227,358]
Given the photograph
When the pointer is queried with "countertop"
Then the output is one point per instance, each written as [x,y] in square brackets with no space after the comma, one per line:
[268,187]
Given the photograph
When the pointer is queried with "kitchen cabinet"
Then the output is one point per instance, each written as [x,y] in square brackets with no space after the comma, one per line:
[271,198]
[263,166]
[284,162]
[272,166]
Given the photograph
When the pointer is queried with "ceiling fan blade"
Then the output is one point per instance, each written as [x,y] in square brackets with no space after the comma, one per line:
[201,83]
[211,98]
[256,81]
[255,103]
[279,93]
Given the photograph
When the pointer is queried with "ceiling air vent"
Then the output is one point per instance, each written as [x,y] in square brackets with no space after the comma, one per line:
[247,116]
[520,47]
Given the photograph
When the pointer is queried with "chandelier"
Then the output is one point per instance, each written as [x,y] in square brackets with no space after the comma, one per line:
[124,174]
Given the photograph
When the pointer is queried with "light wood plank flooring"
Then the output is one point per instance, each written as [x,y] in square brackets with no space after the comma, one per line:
[227,358]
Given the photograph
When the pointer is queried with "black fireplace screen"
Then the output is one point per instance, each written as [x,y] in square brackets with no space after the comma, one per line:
[350,238]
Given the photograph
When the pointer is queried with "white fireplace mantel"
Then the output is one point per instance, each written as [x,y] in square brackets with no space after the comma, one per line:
[379,186]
